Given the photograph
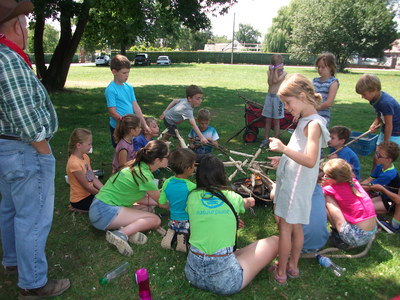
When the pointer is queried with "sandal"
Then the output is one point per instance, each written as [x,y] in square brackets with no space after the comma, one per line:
[292,273]
[280,280]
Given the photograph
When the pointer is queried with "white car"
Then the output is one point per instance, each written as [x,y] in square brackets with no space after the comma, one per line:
[163,60]
[103,60]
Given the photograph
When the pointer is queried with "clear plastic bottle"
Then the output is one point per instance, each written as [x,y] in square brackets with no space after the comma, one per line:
[114,273]
[326,262]
[142,279]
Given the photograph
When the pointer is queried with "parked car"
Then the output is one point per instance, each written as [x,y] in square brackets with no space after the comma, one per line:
[163,60]
[103,60]
[142,59]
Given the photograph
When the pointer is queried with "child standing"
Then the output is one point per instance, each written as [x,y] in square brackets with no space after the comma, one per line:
[141,140]
[350,209]
[112,208]
[209,132]
[127,128]
[120,95]
[180,110]
[174,194]
[297,167]
[273,109]
[213,263]
[83,184]
[327,84]
[339,136]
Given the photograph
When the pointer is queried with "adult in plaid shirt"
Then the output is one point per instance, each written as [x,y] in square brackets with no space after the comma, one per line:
[27,166]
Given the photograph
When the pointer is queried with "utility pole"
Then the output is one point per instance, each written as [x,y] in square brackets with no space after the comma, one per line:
[233,37]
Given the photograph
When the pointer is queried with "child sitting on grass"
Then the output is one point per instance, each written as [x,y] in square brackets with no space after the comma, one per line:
[180,110]
[174,195]
[83,183]
[209,132]
[127,128]
[141,140]
[339,136]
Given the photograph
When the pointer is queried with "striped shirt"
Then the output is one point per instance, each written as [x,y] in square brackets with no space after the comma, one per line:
[26,110]
[323,87]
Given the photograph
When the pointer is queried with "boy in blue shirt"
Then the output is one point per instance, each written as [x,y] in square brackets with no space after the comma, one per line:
[209,132]
[120,95]
[339,136]
[180,110]
[174,194]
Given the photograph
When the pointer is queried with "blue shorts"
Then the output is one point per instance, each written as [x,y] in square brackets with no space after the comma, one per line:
[102,214]
[393,138]
[354,236]
[273,107]
[220,275]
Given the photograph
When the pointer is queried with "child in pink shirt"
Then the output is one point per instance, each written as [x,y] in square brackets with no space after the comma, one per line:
[349,207]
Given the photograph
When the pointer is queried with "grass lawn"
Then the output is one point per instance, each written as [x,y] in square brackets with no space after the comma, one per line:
[78,251]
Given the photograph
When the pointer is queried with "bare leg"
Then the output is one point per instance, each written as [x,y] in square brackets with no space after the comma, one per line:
[268,122]
[134,220]
[297,245]
[285,245]
[254,257]
[277,127]
[379,206]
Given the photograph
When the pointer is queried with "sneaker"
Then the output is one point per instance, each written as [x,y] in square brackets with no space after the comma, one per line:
[137,238]
[264,143]
[119,240]
[181,243]
[387,226]
[10,270]
[52,288]
[336,241]
[161,231]
[167,239]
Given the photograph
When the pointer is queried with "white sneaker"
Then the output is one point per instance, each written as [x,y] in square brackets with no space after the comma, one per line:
[137,238]
[116,238]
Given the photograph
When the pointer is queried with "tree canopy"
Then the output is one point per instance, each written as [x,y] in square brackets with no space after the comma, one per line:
[247,34]
[344,27]
[121,22]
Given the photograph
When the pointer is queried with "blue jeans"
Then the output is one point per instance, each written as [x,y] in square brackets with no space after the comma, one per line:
[26,209]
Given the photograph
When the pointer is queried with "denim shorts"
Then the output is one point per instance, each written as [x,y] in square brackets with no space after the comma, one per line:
[354,236]
[102,214]
[219,275]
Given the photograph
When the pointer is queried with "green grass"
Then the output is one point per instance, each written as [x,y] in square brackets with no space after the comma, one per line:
[78,251]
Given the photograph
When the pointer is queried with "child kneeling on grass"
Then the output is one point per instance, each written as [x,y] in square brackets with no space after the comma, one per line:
[174,194]
[349,207]
[112,208]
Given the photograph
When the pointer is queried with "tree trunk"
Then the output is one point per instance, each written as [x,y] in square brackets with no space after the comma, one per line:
[38,46]
[55,76]
[123,48]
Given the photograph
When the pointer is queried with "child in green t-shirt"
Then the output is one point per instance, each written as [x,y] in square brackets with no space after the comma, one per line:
[174,195]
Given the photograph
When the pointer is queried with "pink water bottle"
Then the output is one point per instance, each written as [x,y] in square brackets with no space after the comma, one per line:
[142,279]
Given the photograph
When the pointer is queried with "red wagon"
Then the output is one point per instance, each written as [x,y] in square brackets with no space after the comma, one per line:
[254,120]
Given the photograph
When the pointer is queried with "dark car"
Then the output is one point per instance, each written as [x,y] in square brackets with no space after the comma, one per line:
[142,59]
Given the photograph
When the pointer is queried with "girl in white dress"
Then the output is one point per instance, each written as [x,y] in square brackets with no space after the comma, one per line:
[297,171]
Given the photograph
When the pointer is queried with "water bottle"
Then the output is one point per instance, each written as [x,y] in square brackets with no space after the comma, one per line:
[326,262]
[114,273]
[142,279]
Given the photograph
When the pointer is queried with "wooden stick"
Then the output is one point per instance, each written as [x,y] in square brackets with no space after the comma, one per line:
[232,175]
[248,191]
[180,139]
[162,133]
[255,157]
[240,153]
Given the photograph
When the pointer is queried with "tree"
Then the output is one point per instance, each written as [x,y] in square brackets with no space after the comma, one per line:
[50,39]
[120,22]
[247,34]
[343,27]
[218,39]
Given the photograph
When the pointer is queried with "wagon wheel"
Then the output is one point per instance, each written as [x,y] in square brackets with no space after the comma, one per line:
[249,136]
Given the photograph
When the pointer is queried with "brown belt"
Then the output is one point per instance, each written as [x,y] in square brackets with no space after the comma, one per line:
[210,255]
[10,137]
